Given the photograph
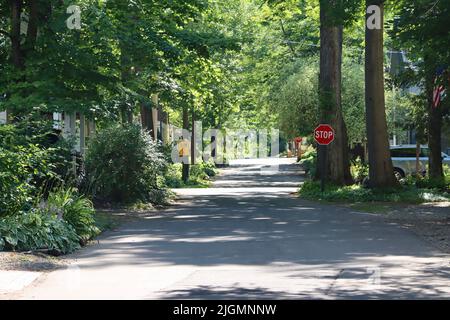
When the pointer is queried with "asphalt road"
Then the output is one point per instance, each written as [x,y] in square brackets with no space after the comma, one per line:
[250,237]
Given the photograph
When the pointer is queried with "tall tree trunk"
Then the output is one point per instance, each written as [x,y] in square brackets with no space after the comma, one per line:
[146,111]
[380,162]
[154,116]
[147,118]
[160,118]
[32,25]
[436,170]
[125,66]
[193,160]
[16,54]
[16,51]
[165,127]
[331,34]
[185,173]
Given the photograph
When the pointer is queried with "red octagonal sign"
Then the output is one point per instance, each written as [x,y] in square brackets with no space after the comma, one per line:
[324,134]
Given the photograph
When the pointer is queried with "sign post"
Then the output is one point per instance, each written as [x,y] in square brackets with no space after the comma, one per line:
[298,146]
[324,136]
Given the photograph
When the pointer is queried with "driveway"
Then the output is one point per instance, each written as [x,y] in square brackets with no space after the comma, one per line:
[250,237]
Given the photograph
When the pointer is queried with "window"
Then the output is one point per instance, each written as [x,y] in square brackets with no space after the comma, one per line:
[403,153]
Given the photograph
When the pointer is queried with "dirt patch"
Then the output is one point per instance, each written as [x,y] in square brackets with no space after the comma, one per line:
[429,221]
[30,262]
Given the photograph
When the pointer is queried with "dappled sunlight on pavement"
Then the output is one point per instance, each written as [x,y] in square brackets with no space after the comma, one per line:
[255,240]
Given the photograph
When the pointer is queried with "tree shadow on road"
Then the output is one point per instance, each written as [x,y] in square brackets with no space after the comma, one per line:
[289,238]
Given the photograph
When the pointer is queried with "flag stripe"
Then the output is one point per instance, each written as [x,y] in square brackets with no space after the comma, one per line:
[437,95]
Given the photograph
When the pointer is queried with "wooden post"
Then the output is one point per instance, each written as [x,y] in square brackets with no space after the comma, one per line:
[418,151]
[3,117]
[69,124]
[70,132]
[193,135]
[82,134]
[154,112]
[165,128]
[92,130]
[185,173]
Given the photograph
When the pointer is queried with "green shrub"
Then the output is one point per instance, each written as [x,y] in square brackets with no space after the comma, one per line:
[356,193]
[203,171]
[40,133]
[77,210]
[28,168]
[33,161]
[309,161]
[160,196]
[37,230]
[123,164]
[209,168]
[360,170]
[429,183]
[426,182]
[15,175]
[173,176]
[447,171]
[447,176]
[23,171]
[199,175]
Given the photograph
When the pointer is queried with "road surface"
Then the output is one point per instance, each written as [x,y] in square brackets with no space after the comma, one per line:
[250,237]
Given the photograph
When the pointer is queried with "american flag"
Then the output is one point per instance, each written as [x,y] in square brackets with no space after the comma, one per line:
[439,90]
[438,95]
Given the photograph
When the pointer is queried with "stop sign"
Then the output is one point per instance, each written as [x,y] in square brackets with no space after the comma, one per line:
[324,134]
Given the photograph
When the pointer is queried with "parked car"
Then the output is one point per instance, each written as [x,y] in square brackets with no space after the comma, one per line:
[404,159]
